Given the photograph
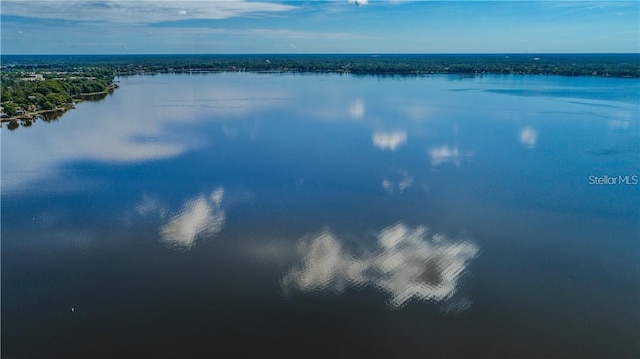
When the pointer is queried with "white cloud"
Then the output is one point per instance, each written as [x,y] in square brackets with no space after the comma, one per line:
[199,216]
[140,11]
[408,263]
[389,140]
[528,137]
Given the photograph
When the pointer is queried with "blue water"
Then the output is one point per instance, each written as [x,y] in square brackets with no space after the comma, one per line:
[327,216]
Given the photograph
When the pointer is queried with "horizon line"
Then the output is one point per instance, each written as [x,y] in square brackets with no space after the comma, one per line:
[327,53]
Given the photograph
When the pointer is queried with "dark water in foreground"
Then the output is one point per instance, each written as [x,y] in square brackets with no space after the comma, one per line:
[327,216]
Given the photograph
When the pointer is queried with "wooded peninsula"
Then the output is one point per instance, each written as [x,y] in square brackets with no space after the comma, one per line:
[35,85]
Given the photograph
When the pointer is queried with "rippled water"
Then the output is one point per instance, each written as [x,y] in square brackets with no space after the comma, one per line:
[327,216]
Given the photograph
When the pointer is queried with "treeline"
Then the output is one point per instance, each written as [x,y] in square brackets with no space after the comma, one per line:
[605,65]
[19,94]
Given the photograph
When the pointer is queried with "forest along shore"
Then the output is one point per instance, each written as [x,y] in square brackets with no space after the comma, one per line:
[592,65]
[44,94]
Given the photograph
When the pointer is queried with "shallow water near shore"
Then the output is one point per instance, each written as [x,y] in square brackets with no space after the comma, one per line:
[327,216]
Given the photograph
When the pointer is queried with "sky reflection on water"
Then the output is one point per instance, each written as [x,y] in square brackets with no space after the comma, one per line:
[407,263]
[389,140]
[204,198]
[199,216]
[132,131]
[528,137]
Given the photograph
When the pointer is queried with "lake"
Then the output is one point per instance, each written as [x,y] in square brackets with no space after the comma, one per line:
[327,216]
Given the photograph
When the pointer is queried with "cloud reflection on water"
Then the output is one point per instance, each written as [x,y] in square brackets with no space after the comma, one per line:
[447,154]
[198,216]
[528,137]
[407,264]
[389,140]
[402,183]
[357,109]
[137,123]
[150,205]
[620,122]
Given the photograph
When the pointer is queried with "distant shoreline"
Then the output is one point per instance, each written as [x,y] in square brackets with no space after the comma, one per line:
[589,65]
[88,68]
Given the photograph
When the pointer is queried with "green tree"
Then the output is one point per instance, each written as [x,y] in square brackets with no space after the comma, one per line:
[57,99]
[10,108]
[48,106]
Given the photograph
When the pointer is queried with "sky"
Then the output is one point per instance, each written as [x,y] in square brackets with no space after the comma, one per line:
[337,26]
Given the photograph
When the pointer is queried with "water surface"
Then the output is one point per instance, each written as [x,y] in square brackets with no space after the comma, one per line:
[327,216]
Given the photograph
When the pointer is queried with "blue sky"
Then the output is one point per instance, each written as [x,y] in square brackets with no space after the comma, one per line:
[340,26]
